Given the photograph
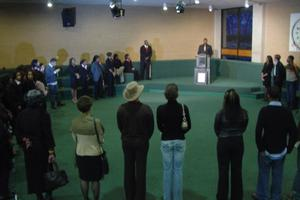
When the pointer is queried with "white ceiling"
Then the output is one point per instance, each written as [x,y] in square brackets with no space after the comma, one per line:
[203,3]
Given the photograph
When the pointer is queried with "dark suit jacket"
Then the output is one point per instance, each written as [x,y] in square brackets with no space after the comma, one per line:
[267,69]
[280,74]
[145,53]
[208,51]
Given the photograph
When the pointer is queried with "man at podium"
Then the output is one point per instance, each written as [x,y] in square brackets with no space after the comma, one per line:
[205,48]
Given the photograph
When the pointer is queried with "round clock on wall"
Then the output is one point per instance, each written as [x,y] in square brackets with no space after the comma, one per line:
[296,34]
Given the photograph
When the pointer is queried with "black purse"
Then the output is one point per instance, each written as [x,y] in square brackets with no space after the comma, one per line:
[104,160]
[55,179]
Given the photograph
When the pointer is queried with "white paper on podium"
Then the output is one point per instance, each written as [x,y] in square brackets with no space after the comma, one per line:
[201,77]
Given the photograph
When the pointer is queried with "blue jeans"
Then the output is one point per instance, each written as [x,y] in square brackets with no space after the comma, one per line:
[296,185]
[173,156]
[291,88]
[265,165]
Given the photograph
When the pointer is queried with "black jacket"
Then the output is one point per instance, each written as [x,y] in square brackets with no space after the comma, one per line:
[135,121]
[280,74]
[230,127]
[169,118]
[267,69]
[275,126]
[208,51]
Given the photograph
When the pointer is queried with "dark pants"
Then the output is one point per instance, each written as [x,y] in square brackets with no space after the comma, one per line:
[230,156]
[98,88]
[291,88]
[85,87]
[135,162]
[111,90]
[145,68]
[53,95]
[296,185]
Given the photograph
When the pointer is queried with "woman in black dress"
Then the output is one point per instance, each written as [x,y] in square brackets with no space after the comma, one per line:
[74,78]
[34,134]
[266,74]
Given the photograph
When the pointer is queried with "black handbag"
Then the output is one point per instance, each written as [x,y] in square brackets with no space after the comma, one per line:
[104,160]
[55,179]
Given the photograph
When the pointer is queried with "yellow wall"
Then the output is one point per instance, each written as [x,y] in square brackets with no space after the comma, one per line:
[34,31]
[277,29]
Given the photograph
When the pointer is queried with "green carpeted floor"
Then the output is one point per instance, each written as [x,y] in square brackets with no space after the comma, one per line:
[200,170]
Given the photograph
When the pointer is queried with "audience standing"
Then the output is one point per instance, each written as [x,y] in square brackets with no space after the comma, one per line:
[119,69]
[136,124]
[88,134]
[276,133]
[292,78]
[170,117]
[109,68]
[51,79]
[145,61]
[230,124]
[84,76]
[74,78]
[34,134]
[98,77]
[278,73]
[266,75]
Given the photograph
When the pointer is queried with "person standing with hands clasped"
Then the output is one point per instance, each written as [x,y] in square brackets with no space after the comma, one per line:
[34,134]
[173,120]
[136,124]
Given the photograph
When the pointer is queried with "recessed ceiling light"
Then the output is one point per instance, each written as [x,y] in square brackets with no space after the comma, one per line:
[197,1]
[49,4]
[210,8]
[165,7]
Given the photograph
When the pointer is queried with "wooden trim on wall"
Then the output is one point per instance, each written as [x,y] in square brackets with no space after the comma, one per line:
[236,52]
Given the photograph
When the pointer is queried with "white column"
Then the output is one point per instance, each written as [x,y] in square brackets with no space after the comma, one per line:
[257,33]
[217,33]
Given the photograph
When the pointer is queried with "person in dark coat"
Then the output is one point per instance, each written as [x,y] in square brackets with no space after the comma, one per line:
[205,48]
[128,67]
[14,97]
[266,74]
[278,72]
[34,134]
[84,76]
[29,82]
[110,70]
[136,124]
[145,61]
[119,69]
[230,124]
[74,78]
[6,152]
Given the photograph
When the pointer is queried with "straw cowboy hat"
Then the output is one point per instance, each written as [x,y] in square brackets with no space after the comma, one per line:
[133,91]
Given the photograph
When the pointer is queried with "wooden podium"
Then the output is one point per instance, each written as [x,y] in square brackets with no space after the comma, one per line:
[202,70]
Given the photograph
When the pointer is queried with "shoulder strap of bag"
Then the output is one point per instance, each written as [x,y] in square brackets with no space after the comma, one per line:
[96,131]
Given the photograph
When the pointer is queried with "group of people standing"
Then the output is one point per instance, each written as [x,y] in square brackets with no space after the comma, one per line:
[274,73]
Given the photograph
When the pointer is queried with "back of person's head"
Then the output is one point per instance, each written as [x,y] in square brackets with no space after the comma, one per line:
[231,104]
[95,58]
[84,104]
[274,93]
[171,92]
[34,98]
[115,56]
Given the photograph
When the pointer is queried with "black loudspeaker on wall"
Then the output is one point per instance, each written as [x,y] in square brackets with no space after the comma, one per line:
[69,17]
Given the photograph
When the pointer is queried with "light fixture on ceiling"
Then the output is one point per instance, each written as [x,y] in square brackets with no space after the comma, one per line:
[247,4]
[180,7]
[197,2]
[210,8]
[165,7]
[116,8]
[49,4]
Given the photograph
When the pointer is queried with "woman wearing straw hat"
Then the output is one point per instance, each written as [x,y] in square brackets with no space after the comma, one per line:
[136,124]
